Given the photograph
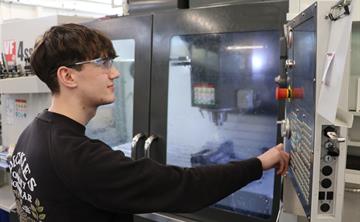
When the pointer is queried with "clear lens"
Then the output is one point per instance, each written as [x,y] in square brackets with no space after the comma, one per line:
[105,63]
[108,63]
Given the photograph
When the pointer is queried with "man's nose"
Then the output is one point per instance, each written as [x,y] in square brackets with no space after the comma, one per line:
[114,73]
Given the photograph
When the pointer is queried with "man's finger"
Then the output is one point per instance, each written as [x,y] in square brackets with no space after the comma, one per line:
[286,156]
[281,165]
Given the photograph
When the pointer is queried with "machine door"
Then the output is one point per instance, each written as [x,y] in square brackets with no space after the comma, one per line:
[213,98]
[124,124]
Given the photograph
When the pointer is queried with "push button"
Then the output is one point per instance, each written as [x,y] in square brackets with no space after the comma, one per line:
[326,170]
[282,93]
[330,195]
[297,93]
[325,207]
[321,195]
[326,183]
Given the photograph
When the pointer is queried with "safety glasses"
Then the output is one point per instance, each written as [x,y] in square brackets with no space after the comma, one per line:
[105,63]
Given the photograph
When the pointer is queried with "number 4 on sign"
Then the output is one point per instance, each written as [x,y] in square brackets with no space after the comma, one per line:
[20,53]
[23,53]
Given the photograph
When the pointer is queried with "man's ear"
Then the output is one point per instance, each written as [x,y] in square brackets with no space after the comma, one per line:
[65,77]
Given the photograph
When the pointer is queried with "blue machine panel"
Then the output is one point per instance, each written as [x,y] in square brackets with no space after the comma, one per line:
[301,112]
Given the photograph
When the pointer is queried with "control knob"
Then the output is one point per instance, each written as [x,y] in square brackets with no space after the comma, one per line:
[285,128]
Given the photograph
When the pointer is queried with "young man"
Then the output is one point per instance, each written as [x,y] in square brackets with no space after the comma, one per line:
[59,174]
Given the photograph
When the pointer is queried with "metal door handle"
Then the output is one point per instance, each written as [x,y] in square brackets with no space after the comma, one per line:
[289,36]
[148,143]
[134,142]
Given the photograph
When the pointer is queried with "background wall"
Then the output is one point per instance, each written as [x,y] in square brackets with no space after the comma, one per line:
[11,10]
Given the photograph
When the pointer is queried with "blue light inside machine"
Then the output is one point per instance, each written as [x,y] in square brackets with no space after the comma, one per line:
[257,61]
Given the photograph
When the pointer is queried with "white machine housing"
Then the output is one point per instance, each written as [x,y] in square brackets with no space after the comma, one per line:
[318,194]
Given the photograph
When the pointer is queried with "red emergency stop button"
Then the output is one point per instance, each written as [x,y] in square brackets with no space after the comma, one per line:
[297,93]
[282,93]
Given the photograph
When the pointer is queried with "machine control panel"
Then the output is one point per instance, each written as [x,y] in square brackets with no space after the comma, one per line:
[301,152]
[317,160]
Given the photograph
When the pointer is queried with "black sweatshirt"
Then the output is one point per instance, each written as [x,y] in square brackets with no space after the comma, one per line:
[59,174]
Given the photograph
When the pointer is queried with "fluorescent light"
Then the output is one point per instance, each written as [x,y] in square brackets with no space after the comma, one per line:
[124,60]
[241,47]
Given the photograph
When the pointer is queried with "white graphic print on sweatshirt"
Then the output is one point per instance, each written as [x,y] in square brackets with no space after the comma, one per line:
[23,185]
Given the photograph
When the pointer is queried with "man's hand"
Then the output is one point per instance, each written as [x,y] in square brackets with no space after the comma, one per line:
[275,157]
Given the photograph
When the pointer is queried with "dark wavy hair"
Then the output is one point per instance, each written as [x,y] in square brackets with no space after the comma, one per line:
[64,45]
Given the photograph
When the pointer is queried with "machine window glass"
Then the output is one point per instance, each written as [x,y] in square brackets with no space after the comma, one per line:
[221,107]
[113,123]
